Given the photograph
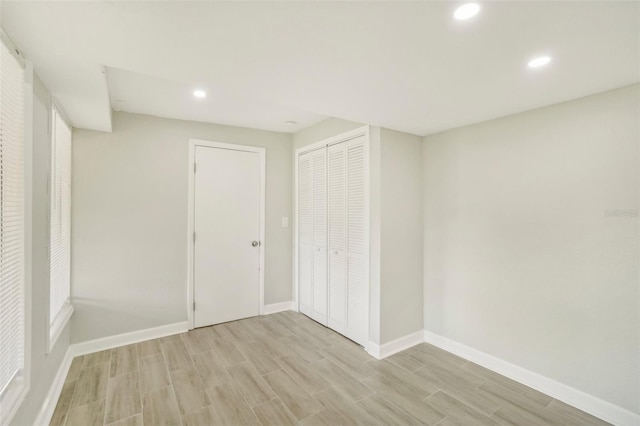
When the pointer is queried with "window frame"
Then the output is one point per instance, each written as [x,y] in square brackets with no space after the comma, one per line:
[17,392]
[57,326]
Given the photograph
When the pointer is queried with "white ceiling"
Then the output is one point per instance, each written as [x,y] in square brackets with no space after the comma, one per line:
[403,65]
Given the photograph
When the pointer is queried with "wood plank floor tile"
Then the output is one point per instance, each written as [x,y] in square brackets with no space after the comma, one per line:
[436,352]
[159,408]
[74,369]
[123,397]
[457,411]
[240,331]
[229,407]
[149,347]
[195,342]
[403,398]
[297,400]
[189,390]
[418,386]
[386,412]
[272,327]
[516,416]
[124,360]
[169,339]
[508,397]
[461,387]
[91,414]
[176,355]
[405,361]
[358,369]
[251,384]
[296,344]
[296,316]
[257,354]
[341,380]
[286,369]
[301,371]
[129,421]
[227,351]
[573,416]
[510,385]
[274,412]
[338,411]
[212,369]
[64,402]
[153,373]
[275,348]
[96,358]
[91,385]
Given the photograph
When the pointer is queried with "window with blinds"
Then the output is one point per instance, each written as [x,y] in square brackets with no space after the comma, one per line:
[12,243]
[60,308]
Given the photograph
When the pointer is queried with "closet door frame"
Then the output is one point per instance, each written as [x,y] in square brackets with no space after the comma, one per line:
[343,137]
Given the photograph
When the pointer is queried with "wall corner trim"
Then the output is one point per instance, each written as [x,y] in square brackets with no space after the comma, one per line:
[395,346]
[279,307]
[588,403]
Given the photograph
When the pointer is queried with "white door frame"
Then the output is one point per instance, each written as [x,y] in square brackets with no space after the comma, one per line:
[193,143]
[343,137]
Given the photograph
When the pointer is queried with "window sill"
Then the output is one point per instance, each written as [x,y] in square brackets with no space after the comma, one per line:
[12,399]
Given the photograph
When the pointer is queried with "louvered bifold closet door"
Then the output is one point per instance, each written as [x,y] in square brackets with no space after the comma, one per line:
[357,299]
[337,237]
[305,233]
[319,178]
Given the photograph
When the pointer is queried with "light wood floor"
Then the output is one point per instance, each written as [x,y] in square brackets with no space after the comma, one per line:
[285,369]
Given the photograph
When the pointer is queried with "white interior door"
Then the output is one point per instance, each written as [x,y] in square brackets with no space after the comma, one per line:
[227,202]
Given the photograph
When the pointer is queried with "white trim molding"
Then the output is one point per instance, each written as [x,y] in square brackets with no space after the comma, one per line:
[588,403]
[111,342]
[395,346]
[279,307]
[262,152]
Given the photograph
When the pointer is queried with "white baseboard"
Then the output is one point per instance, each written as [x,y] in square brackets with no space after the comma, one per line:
[278,307]
[395,346]
[128,338]
[588,403]
[51,399]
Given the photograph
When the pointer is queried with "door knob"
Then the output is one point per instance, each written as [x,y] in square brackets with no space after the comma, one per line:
[255,244]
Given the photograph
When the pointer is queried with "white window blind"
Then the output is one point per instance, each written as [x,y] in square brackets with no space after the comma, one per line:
[60,274]
[12,251]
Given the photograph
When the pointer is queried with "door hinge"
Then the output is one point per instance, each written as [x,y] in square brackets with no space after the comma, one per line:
[194,305]
[194,236]
[194,168]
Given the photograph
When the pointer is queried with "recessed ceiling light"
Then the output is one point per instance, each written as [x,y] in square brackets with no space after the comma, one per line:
[199,93]
[466,11]
[539,62]
[290,123]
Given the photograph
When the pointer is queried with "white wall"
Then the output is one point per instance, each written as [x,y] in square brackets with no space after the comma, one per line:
[401,281]
[521,259]
[43,366]
[129,259]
